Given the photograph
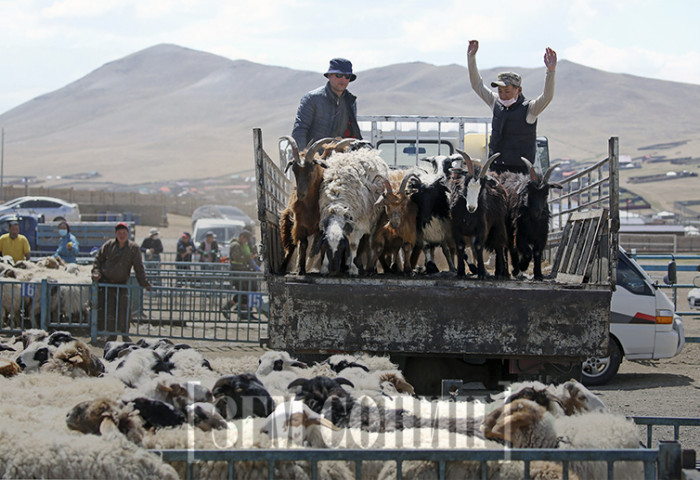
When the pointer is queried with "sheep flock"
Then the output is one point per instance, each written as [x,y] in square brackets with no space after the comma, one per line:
[69,411]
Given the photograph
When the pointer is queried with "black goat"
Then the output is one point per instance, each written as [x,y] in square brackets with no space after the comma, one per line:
[433,224]
[528,216]
[240,396]
[478,209]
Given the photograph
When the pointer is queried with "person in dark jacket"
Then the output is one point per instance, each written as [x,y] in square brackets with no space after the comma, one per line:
[209,249]
[152,247]
[514,124]
[330,110]
[112,265]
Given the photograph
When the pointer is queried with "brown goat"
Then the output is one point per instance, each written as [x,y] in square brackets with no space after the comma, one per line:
[396,228]
[300,218]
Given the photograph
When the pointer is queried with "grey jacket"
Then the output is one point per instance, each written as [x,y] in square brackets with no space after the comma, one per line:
[322,114]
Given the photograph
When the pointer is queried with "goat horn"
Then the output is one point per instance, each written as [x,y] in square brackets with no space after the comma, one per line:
[293,143]
[549,171]
[467,160]
[297,383]
[311,152]
[531,168]
[344,381]
[405,180]
[343,143]
[485,168]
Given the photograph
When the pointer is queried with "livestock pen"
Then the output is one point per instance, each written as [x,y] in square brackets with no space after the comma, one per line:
[187,301]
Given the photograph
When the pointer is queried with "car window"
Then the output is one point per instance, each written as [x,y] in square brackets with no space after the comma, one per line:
[408,153]
[629,278]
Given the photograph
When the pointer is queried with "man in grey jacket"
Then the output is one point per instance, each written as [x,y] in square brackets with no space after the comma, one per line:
[328,111]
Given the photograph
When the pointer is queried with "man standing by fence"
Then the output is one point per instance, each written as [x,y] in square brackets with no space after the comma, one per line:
[113,265]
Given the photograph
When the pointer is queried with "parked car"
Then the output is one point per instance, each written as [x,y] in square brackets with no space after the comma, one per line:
[694,294]
[53,209]
[226,212]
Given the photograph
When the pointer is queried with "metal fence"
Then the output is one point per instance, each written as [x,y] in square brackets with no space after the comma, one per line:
[662,462]
[187,301]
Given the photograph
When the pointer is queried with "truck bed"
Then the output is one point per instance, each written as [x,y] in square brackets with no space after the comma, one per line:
[444,315]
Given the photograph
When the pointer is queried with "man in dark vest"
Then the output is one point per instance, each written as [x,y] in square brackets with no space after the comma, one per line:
[514,124]
[330,110]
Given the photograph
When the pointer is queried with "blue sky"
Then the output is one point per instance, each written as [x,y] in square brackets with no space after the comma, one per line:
[46,44]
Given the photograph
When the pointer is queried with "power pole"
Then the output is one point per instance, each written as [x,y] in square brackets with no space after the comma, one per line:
[2,166]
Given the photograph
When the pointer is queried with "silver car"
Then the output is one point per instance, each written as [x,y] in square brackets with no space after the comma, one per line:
[53,209]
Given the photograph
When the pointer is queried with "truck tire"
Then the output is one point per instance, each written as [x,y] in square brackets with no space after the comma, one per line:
[599,371]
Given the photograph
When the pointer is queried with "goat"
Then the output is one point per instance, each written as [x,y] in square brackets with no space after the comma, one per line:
[349,213]
[299,220]
[528,216]
[397,226]
[478,209]
[430,194]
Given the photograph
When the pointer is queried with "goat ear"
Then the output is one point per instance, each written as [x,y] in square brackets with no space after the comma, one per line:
[321,163]
[348,228]
[556,185]
[379,201]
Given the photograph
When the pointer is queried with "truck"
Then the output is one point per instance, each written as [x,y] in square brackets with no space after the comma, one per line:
[43,236]
[442,330]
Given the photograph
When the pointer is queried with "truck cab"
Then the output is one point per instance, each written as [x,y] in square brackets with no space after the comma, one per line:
[643,323]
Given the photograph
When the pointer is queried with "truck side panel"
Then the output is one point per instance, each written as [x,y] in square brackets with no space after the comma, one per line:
[445,317]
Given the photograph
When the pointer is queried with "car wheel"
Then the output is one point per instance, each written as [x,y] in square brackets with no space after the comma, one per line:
[599,371]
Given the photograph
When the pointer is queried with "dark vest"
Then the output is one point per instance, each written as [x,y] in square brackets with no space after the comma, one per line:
[512,136]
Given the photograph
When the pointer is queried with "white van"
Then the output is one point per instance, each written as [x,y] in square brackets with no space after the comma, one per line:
[224,230]
[643,323]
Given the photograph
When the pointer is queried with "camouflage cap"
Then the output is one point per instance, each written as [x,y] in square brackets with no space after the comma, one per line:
[507,78]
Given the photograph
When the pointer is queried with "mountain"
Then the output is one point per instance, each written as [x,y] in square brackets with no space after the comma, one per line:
[168,113]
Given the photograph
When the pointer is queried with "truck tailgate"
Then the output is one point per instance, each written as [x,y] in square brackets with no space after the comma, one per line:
[443,315]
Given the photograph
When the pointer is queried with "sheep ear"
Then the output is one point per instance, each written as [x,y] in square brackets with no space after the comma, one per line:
[515,420]
[107,426]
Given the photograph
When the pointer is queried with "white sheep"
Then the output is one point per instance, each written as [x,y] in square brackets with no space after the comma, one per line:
[526,424]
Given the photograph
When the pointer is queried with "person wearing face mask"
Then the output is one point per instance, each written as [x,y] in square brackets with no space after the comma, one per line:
[514,124]
[68,246]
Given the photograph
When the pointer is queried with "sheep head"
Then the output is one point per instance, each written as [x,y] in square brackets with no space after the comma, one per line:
[291,419]
[523,423]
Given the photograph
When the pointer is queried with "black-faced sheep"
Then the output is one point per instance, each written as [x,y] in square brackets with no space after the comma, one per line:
[478,210]
[240,396]
[528,216]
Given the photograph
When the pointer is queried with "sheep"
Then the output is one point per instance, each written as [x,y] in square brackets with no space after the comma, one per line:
[34,356]
[526,424]
[370,375]
[73,358]
[139,366]
[301,217]
[349,192]
[528,216]
[114,349]
[102,415]
[205,416]
[396,230]
[430,194]
[240,396]
[569,398]
[478,209]
[290,421]
[8,368]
